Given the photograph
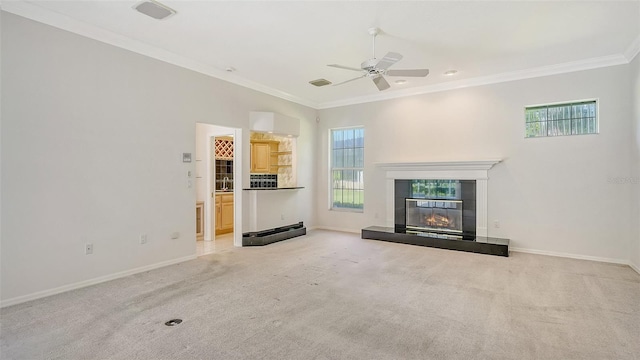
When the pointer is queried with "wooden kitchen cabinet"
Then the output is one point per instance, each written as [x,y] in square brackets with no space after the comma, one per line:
[264,156]
[224,213]
[200,220]
[260,157]
[218,215]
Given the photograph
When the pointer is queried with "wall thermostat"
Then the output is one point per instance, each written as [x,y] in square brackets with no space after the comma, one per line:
[186,157]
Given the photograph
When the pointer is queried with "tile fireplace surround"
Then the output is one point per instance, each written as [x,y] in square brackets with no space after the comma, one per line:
[442,170]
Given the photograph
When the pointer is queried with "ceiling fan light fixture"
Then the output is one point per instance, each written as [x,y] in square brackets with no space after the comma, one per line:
[376,69]
[154,9]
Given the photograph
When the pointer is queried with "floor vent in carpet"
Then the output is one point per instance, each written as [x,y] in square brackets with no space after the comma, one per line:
[173,322]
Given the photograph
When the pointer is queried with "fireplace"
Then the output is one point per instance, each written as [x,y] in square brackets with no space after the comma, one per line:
[436,207]
[426,209]
[436,215]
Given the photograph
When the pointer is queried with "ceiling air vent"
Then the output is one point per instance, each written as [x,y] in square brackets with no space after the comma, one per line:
[155,9]
[320,82]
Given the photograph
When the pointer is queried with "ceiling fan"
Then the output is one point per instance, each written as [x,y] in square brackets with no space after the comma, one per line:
[375,69]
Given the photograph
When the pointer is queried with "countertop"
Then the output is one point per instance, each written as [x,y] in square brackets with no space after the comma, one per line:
[278,188]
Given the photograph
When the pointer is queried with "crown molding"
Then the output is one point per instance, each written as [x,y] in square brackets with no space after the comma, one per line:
[633,49]
[568,67]
[60,21]
[40,14]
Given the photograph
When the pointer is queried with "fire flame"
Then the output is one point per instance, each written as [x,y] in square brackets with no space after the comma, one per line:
[436,220]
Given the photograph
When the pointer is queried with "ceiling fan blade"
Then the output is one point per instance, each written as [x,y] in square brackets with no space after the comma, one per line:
[350,80]
[388,60]
[344,67]
[408,72]
[381,83]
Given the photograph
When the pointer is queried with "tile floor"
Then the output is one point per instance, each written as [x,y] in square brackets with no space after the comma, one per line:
[221,243]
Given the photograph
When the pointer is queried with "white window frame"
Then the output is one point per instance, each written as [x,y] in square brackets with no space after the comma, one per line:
[330,167]
[567,103]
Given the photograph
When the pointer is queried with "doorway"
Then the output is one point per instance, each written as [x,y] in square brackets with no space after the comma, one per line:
[218,188]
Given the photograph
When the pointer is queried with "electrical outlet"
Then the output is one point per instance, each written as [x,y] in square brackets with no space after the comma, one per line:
[496,224]
[88,249]
[175,235]
[143,239]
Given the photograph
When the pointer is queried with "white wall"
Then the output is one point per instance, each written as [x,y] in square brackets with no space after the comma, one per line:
[549,194]
[92,137]
[635,222]
[266,216]
[1,196]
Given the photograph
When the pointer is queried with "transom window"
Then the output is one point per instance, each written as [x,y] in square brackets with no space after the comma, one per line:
[347,168]
[574,118]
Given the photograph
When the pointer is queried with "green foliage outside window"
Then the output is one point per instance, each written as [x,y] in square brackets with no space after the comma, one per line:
[576,118]
[435,189]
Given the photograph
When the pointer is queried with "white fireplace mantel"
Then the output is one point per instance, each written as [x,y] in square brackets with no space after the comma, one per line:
[440,165]
[442,170]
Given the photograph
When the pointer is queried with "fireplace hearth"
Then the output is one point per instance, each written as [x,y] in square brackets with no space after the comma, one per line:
[478,244]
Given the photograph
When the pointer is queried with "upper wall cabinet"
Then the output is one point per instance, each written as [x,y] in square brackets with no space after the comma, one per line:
[264,158]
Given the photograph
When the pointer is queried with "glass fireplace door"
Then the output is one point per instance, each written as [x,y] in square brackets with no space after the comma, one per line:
[439,215]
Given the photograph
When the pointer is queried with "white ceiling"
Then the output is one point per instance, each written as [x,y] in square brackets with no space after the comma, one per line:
[278,47]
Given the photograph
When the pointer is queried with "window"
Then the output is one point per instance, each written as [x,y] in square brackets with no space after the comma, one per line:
[347,168]
[575,118]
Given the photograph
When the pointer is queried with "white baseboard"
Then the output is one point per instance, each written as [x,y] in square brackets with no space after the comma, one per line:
[351,231]
[634,267]
[94,281]
[570,256]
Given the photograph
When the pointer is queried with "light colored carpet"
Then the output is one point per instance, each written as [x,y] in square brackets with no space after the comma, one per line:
[335,296]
